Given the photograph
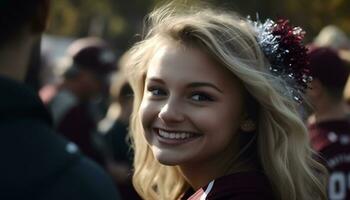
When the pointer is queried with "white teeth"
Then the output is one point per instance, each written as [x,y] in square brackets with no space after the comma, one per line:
[171,135]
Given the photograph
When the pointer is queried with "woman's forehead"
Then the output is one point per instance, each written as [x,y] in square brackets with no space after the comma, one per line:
[187,64]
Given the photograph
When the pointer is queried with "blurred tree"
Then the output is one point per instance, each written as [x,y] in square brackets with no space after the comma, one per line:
[118,20]
[316,14]
[63,18]
[114,20]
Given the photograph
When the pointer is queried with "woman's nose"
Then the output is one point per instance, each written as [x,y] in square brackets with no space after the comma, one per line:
[171,112]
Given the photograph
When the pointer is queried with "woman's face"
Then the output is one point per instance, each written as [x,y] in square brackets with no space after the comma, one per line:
[191,108]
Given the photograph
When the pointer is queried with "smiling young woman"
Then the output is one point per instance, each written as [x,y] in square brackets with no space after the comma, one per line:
[210,120]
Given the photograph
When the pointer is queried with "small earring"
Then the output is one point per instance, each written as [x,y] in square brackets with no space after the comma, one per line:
[248,126]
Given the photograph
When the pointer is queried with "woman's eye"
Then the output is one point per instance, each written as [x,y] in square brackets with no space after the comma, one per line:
[201,97]
[156,91]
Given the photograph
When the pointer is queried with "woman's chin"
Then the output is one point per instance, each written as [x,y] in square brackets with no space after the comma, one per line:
[167,158]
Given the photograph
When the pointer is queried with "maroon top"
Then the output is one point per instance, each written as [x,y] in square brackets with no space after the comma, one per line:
[238,186]
[77,125]
[332,140]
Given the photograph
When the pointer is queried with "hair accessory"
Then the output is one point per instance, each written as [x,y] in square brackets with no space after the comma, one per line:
[282,45]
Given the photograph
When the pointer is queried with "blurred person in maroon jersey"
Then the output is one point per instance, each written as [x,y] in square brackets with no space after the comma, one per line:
[329,125]
[36,163]
[84,80]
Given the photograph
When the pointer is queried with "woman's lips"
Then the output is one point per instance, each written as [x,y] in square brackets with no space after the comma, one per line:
[175,137]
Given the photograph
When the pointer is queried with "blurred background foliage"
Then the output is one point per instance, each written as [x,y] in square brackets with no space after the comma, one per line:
[119,21]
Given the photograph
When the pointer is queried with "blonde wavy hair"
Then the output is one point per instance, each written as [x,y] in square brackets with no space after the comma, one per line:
[282,142]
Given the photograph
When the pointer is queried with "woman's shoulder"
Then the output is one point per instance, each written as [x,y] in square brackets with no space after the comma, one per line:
[237,186]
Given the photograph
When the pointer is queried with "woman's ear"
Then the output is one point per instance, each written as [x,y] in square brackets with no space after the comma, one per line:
[249,119]
[248,125]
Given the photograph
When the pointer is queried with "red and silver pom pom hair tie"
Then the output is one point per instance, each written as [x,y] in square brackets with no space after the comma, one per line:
[283,47]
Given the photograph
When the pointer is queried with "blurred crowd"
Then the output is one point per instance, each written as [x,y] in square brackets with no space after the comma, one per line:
[90,102]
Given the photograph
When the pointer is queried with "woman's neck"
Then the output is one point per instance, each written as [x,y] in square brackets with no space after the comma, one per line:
[200,175]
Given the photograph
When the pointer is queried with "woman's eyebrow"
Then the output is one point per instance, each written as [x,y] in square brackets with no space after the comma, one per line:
[191,85]
[155,79]
[204,84]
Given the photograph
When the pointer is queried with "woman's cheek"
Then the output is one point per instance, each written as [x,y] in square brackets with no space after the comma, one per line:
[202,118]
[148,112]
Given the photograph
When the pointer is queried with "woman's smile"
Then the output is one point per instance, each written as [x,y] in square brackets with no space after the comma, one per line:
[174,137]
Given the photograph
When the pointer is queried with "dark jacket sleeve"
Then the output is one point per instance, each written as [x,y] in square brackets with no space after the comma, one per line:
[36,164]
[83,180]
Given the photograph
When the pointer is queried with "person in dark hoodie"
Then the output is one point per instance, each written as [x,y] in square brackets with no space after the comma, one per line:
[36,163]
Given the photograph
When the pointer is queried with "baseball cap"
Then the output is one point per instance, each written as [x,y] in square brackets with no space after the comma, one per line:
[93,54]
[327,66]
